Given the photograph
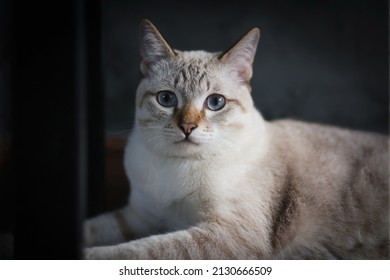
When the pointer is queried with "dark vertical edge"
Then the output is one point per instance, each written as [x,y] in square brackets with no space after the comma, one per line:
[90,111]
[89,124]
[45,137]
[96,178]
[81,124]
[7,194]
[388,61]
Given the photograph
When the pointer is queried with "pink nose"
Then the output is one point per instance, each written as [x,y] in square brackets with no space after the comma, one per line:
[187,128]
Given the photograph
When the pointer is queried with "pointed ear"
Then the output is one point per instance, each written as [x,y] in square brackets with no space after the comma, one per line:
[152,45]
[240,56]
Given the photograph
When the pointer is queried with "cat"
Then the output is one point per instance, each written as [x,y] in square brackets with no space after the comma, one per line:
[211,179]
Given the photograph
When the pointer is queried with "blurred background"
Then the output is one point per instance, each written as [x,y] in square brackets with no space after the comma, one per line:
[69,71]
[320,61]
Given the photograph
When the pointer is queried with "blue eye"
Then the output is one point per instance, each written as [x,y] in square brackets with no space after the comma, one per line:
[166,98]
[215,102]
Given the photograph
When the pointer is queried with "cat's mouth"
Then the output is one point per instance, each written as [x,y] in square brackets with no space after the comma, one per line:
[187,141]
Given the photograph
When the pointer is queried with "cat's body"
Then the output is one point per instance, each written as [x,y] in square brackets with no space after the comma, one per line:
[211,179]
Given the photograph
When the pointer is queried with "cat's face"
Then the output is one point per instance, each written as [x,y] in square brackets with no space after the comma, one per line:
[193,104]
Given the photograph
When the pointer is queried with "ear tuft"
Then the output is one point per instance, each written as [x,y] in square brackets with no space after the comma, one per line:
[153,47]
[240,57]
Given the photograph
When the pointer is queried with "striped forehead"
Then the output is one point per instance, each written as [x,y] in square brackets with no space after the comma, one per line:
[192,78]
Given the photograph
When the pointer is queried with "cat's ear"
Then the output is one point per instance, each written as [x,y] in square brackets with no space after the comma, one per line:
[152,45]
[240,57]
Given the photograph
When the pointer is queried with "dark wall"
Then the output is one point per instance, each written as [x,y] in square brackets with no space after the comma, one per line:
[5,66]
[6,191]
[320,61]
[51,132]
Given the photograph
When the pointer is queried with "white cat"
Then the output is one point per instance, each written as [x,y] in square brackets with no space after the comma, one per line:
[211,179]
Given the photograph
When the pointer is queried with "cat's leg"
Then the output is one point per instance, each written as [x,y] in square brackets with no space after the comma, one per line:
[206,241]
[114,227]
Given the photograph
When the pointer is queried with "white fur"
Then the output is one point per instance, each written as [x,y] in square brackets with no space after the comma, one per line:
[166,187]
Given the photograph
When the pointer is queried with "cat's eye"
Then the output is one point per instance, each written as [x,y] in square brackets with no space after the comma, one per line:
[166,98]
[215,102]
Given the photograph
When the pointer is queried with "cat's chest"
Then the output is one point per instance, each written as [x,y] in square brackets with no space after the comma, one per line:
[165,190]
[167,197]
[166,181]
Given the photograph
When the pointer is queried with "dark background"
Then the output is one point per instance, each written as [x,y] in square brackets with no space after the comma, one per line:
[320,61]
[69,71]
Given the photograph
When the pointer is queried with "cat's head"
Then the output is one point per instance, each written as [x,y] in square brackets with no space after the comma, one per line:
[194,103]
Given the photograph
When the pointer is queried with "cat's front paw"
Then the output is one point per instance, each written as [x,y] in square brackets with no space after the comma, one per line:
[102,253]
[95,253]
[116,252]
